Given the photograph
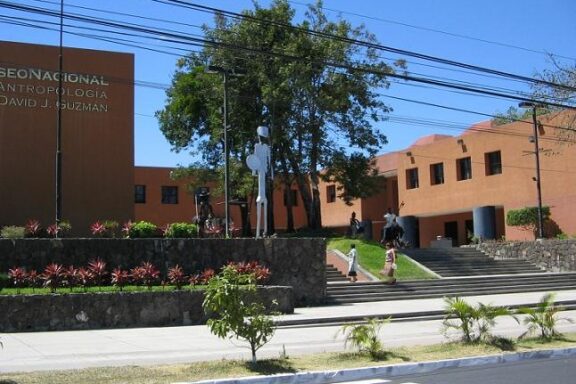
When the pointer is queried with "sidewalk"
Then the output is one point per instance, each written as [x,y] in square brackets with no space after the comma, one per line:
[149,346]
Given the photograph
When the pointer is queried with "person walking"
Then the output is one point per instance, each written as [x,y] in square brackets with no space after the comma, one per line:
[390,263]
[354,225]
[352,263]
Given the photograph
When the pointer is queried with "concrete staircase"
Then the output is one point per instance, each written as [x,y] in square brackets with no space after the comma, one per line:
[342,293]
[451,262]
[334,275]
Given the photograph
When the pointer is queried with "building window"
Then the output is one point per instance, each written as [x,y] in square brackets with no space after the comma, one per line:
[169,195]
[437,173]
[140,194]
[412,178]
[291,194]
[464,168]
[331,193]
[493,161]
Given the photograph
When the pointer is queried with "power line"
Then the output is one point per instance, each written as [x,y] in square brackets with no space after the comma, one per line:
[405,77]
[402,52]
[427,29]
[178,38]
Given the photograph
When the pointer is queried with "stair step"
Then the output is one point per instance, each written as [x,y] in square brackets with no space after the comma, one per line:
[366,292]
[451,262]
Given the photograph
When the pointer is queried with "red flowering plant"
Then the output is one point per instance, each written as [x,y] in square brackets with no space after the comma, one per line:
[120,278]
[85,277]
[261,273]
[145,274]
[71,277]
[98,229]
[105,228]
[126,227]
[53,275]
[18,277]
[195,280]
[206,275]
[33,228]
[33,279]
[177,277]
[58,230]
[98,270]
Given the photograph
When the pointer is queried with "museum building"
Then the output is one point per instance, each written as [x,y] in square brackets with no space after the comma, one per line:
[455,187]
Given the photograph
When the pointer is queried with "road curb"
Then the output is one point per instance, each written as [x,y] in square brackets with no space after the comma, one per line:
[402,369]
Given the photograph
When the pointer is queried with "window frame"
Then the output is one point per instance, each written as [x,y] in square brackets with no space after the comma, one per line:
[462,175]
[331,193]
[140,196]
[492,167]
[412,178]
[169,198]
[437,178]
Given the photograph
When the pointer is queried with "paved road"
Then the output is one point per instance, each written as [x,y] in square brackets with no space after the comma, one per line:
[117,347]
[549,371]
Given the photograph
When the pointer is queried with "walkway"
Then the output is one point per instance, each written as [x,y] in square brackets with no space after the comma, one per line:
[149,346]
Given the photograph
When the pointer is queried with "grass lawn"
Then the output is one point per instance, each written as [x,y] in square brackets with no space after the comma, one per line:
[371,257]
[166,374]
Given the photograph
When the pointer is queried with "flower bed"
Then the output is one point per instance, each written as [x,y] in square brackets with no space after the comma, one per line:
[297,263]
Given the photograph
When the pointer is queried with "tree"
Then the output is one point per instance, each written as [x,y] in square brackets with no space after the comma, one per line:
[230,298]
[311,83]
[527,218]
[552,88]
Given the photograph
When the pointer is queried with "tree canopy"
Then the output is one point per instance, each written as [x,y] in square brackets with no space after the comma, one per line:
[553,87]
[313,83]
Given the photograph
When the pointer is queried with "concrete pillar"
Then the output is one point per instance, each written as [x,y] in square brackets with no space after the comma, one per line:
[484,222]
[411,233]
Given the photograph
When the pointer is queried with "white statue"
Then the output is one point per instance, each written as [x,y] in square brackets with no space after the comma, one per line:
[259,163]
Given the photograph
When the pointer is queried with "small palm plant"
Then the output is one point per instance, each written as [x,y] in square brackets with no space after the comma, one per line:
[475,322]
[364,337]
[543,318]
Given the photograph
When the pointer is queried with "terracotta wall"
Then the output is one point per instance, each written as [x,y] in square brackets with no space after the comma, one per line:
[97,123]
[513,188]
[160,214]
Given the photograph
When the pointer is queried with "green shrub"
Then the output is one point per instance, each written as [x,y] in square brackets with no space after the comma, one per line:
[181,230]
[143,229]
[13,232]
[527,218]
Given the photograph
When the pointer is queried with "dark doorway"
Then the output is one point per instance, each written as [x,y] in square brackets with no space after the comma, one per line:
[469,230]
[451,231]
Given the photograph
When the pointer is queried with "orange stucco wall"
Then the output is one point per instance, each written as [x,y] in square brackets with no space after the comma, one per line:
[513,188]
[161,214]
[97,124]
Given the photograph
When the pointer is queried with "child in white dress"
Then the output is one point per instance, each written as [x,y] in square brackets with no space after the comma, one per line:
[352,263]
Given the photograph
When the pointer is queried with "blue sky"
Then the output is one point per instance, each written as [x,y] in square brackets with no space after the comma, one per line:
[510,36]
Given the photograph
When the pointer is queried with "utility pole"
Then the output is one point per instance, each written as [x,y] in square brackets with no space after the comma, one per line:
[58,172]
[225,73]
[528,104]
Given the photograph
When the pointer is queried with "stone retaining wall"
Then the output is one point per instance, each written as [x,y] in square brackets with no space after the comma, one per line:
[551,255]
[299,263]
[58,312]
